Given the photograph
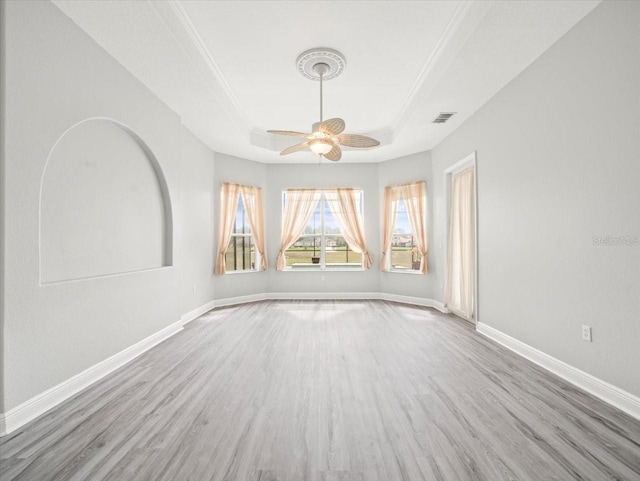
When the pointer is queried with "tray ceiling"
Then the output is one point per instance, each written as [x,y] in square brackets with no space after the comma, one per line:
[227,68]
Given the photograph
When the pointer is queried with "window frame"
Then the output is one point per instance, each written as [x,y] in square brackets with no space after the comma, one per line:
[322,267]
[389,254]
[257,262]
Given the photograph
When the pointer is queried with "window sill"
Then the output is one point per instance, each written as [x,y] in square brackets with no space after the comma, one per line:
[306,267]
[248,271]
[411,272]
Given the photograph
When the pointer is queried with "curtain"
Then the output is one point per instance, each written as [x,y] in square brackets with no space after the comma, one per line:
[252,197]
[344,207]
[228,208]
[389,221]
[298,209]
[414,195]
[461,262]
[415,199]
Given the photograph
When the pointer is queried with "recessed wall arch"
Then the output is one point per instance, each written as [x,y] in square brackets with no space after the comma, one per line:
[105,207]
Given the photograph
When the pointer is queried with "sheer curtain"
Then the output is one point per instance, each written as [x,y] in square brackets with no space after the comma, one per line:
[414,195]
[389,221]
[252,197]
[344,207]
[228,208]
[298,209]
[461,262]
[415,199]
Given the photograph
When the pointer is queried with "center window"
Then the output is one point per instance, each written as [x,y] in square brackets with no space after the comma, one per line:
[322,245]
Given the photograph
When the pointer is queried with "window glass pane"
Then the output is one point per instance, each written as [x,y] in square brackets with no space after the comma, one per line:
[315,223]
[242,222]
[404,255]
[339,255]
[304,253]
[241,254]
[330,224]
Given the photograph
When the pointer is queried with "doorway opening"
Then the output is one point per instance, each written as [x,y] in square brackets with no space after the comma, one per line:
[461,286]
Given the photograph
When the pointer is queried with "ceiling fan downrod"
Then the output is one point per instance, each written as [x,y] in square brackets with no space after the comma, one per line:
[320,69]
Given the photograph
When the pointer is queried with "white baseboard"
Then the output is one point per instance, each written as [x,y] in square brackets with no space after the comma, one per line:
[197,312]
[613,395]
[37,405]
[418,301]
[232,301]
[282,296]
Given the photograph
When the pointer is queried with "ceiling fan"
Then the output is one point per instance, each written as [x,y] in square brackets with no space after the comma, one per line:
[326,135]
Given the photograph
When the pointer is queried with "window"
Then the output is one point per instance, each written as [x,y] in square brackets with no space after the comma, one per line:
[241,245]
[404,229]
[241,252]
[404,252]
[322,244]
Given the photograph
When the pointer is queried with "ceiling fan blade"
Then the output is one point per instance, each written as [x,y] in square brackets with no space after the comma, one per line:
[295,148]
[334,154]
[291,133]
[332,126]
[357,141]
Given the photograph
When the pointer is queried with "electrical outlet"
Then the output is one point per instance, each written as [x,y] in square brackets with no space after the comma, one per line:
[322,277]
[194,288]
[586,333]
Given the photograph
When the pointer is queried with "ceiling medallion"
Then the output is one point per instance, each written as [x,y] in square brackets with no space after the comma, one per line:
[334,60]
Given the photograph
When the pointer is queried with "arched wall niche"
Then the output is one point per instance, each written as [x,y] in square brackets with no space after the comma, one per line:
[104,205]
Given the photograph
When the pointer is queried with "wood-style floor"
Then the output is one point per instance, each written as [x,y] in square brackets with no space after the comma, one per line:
[327,390]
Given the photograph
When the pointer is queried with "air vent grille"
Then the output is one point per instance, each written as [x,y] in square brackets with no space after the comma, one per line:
[443,117]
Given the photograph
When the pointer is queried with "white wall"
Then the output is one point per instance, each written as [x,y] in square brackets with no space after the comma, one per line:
[558,163]
[56,77]
[114,217]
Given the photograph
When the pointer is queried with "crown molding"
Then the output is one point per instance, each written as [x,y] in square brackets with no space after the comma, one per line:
[178,23]
[462,24]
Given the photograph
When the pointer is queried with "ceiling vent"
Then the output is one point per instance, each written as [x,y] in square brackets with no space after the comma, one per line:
[443,117]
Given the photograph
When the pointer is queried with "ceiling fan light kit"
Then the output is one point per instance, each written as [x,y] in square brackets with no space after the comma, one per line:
[326,136]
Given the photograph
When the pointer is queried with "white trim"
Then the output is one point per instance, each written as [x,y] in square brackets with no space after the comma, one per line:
[462,164]
[41,403]
[322,295]
[464,20]
[610,394]
[418,301]
[232,301]
[197,312]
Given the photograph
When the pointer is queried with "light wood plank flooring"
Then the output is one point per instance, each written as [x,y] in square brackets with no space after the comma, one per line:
[327,390]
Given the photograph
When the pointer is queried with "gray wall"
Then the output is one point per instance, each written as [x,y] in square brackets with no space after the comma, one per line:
[3,122]
[57,77]
[559,163]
